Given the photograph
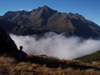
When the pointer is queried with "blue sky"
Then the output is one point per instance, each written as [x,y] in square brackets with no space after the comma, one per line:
[90,9]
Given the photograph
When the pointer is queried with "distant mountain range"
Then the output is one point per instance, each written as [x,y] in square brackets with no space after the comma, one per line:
[45,19]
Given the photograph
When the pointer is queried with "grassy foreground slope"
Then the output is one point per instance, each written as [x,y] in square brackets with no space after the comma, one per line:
[91,58]
[45,65]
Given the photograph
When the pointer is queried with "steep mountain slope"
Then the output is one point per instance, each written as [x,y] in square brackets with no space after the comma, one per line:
[7,45]
[7,26]
[11,27]
[37,17]
[45,18]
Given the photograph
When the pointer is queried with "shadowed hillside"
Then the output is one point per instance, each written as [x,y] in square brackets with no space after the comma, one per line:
[7,26]
[7,45]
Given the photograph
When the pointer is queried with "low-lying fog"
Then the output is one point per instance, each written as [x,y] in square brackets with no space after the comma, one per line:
[57,45]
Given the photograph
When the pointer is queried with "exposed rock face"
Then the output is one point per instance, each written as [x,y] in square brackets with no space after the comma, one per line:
[7,45]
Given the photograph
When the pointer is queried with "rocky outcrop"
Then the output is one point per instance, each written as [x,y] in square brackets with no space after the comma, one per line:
[7,45]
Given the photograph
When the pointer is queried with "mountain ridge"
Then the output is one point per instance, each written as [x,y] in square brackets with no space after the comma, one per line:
[45,18]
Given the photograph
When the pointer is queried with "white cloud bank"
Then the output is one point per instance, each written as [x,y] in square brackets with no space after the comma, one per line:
[29,10]
[56,45]
[21,9]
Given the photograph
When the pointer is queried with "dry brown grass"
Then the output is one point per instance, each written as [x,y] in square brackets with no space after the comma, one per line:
[44,65]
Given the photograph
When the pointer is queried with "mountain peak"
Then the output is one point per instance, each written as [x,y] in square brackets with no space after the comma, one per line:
[45,7]
[70,14]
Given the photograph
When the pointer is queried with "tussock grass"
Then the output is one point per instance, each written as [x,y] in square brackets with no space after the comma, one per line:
[45,65]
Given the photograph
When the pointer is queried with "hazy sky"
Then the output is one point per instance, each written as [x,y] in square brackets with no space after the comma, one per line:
[90,9]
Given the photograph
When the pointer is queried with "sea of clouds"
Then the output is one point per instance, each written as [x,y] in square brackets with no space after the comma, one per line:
[57,45]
